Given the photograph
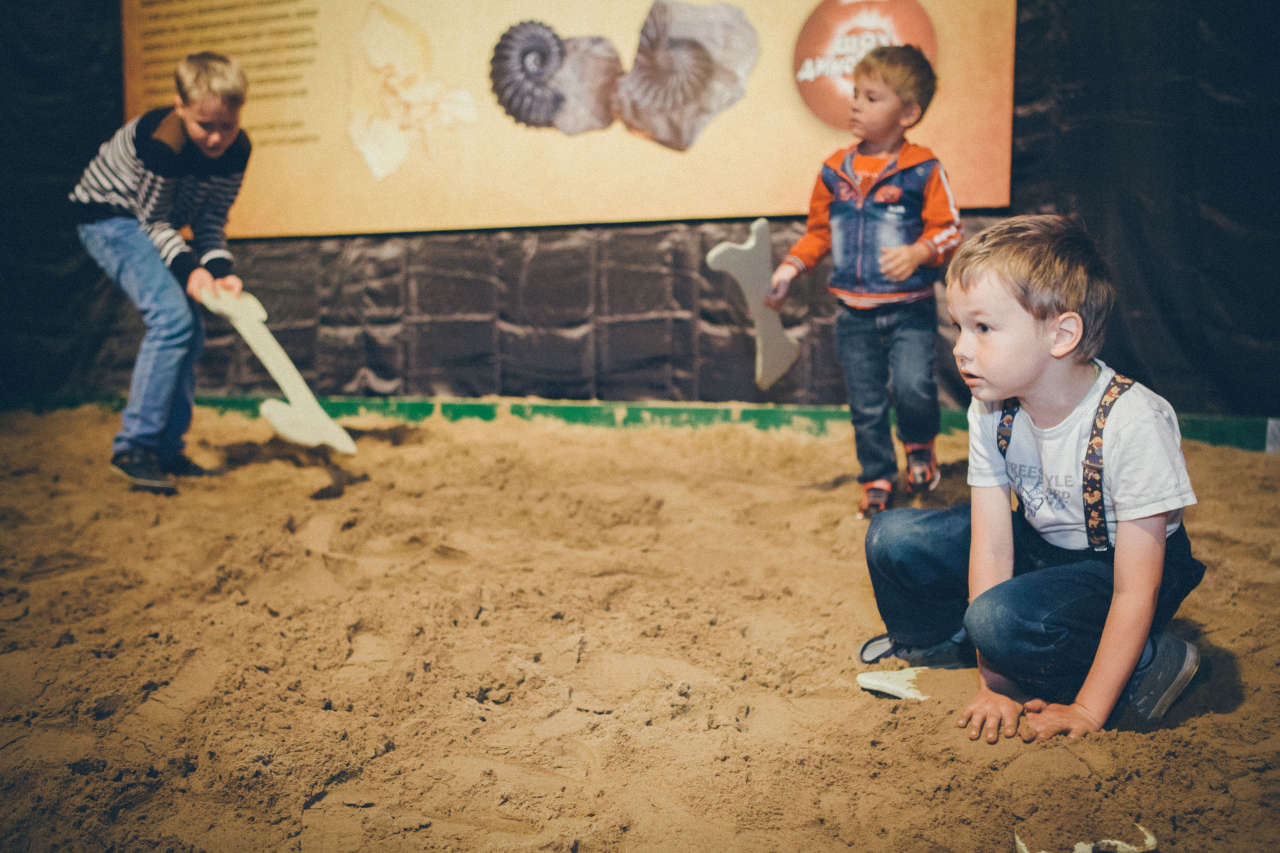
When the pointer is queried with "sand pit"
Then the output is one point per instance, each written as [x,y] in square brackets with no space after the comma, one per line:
[535,636]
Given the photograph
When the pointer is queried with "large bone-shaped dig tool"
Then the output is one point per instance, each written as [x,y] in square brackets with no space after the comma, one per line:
[750,265]
[300,420]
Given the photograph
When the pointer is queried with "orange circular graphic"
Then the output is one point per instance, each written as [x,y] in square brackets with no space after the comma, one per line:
[838,33]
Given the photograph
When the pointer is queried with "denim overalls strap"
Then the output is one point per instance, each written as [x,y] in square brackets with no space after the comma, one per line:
[1095,518]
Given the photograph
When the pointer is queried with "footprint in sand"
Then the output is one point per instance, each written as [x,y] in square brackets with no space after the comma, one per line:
[157,721]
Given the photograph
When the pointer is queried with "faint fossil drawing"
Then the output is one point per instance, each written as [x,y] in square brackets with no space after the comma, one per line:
[394,102]
[692,63]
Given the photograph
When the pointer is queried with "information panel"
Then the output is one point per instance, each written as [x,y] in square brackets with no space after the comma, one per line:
[375,116]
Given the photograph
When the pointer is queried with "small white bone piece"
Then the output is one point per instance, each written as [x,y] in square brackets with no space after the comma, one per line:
[898,683]
[1106,845]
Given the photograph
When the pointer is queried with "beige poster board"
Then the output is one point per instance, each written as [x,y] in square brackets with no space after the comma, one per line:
[373,116]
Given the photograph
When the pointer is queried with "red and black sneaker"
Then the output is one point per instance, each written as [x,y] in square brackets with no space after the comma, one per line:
[876,496]
[923,473]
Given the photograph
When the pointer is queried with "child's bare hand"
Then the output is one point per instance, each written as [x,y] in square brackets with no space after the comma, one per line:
[1045,720]
[900,262]
[780,285]
[199,279]
[231,283]
[990,715]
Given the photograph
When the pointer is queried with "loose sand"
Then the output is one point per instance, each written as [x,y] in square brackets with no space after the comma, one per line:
[535,636]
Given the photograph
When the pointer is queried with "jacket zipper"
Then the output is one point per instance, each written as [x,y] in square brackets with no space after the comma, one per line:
[885,173]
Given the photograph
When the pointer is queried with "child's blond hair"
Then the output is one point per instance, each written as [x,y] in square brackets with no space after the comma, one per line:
[207,74]
[1051,266]
[905,68]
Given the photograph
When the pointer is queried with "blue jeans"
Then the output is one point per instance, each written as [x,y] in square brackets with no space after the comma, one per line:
[887,355]
[1040,628]
[162,389]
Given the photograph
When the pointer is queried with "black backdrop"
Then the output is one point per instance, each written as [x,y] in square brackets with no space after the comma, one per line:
[1151,119]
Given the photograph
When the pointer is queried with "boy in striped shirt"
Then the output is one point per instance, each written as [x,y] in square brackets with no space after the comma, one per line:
[172,170]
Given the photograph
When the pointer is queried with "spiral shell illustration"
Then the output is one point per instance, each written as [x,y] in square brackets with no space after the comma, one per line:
[691,63]
[669,71]
[525,59]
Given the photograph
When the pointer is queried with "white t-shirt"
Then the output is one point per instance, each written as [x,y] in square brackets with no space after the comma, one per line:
[1143,471]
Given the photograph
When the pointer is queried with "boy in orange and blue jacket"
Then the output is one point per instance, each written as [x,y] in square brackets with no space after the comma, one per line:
[884,209]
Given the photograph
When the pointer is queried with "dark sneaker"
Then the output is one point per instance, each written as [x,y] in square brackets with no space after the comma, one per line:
[1171,669]
[183,465]
[143,469]
[876,496]
[923,473]
[953,653]
[877,649]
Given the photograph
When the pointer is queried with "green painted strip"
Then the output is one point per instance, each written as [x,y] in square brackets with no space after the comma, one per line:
[815,420]
[238,405]
[647,414]
[955,420]
[584,414]
[1248,433]
[458,410]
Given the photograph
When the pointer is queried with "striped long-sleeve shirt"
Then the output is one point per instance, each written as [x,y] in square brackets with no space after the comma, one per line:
[136,173]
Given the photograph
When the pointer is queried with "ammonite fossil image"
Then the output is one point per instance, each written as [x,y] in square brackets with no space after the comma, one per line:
[542,80]
[691,63]
[526,57]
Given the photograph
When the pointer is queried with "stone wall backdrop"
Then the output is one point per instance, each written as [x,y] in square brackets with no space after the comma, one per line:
[1151,120]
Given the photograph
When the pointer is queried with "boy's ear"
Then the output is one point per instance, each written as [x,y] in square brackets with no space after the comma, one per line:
[911,114]
[1068,329]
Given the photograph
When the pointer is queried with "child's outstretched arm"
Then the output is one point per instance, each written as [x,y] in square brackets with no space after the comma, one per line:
[1139,566]
[992,712]
[808,250]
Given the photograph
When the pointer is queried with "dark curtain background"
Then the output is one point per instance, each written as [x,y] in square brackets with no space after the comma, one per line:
[1151,120]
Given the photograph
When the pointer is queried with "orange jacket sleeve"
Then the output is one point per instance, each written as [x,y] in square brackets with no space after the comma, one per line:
[810,249]
[941,218]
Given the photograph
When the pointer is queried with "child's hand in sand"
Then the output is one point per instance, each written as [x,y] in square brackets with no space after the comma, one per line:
[1045,720]
[991,714]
